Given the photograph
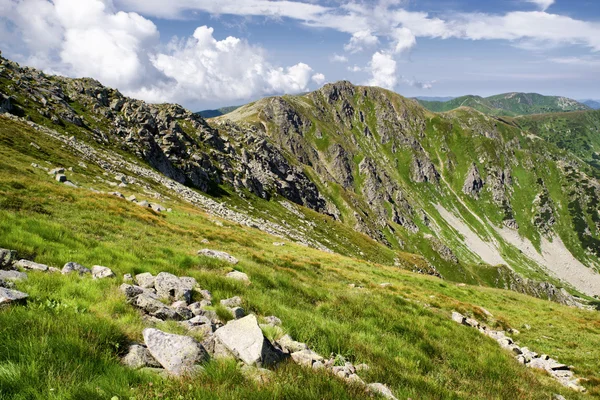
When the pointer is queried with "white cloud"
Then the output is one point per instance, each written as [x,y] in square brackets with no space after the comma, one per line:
[90,38]
[418,84]
[577,61]
[361,40]
[383,71]
[355,68]
[543,4]
[338,58]
[403,40]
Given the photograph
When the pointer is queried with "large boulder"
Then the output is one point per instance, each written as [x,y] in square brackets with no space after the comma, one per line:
[12,276]
[151,305]
[100,272]
[7,258]
[168,286]
[221,255]
[8,296]
[177,354]
[145,280]
[232,302]
[26,264]
[130,291]
[238,276]
[244,338]
[139,356]
[74,267]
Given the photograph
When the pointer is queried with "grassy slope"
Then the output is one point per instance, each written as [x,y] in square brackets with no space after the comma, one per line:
[65,343]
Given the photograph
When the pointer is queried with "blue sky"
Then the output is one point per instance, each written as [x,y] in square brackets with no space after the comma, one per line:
[210,53]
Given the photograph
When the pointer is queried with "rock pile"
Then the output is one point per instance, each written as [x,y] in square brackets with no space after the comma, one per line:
[561,372]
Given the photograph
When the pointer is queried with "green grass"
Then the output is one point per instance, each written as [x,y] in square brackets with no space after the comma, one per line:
[66,342]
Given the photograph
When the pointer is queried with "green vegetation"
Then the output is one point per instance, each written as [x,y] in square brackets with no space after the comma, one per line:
[66,342]
[218,112]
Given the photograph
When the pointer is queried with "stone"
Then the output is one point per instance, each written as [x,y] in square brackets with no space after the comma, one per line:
[26,264]
[385,284]
[206,295]
[74,267]
[196,308]
[179,304]
[278,244]
[145,280]
[132,198]
[184,313]
[239,276]
[458,317]
[273,320]
[60,178]
[237,312]
[473,182]
[168,286]
[306,357]
[221,255]
[244,338]
[177,354]
[382,390]
[7,258]
[471,322]
[290,345]
[232,302]
[139,356]
[12,276]
[128,278]
[355,379]
[100,272]
[362,367]
[9,296]
[154,307]
[130,291]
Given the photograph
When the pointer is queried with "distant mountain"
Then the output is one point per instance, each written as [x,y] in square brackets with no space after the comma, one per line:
[509,104]
[595,104]
[429,98]
[218,112]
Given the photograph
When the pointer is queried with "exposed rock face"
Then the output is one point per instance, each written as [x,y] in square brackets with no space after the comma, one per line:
[544,218]
[177,354]
[473,182]
[423,170]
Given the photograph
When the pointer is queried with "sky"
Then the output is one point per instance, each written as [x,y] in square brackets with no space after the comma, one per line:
[211,53]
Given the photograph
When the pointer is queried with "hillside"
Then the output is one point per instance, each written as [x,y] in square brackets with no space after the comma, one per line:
[218,112]
[593,104]
[509,104]
[361,220]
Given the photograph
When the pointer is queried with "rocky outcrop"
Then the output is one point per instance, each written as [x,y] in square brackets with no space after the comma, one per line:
[473,182]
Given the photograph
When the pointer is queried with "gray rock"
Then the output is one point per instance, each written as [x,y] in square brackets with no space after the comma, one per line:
[232,302]
[61,178]
[100,272]
[473,182]
[130,291]
[12,276]
[237,312]
[168,286]
[382,390]
[221,255]
[145,280]
[306,357]
[26,264]
[184,313]
[132,198]
[177,354]
[457,317]
[237,275]
[74,267]
[244,338]
[7,258]
[206,295]
[139,356]
[128,278]
[154,307]
[290,345]
[9,296]
[273,320]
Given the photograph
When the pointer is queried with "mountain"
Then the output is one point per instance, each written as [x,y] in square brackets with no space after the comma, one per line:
[593,104]
[429,98]
[355,223]
[509,104]
[217,112]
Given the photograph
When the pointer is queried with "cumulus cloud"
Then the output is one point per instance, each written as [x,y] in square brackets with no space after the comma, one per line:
[361,40]
[338,58]
[120,49]
[383,71]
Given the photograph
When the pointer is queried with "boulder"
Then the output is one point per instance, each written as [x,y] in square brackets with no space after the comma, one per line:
[177,354]
[237,275]
[100,272]
[206,295]
[130,291]
[26,264]
[237,312]
[127,278]
[306,357]
[7,258]
[12,276]
[290,345]
[8,296]
[221,255]
[458,317]
[139,356]
[74,267]
[145,280]
[382,390]
[151,305]
[244,338]
[273,320]
[168,286]
[232,302]
[60,178]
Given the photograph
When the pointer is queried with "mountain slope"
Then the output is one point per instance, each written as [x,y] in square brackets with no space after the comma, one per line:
[593,104]
[509,104]
[218,112]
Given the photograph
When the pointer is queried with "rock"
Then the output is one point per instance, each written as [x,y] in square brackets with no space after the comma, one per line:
[168,286]
[473,182]
[221,255]
[100,272]
[273,320]
[130,291]
[306,357]
[385,284]
[154,307]
[362,367]
[139,356]
[457,317]
[145,280]
[196,308]
[60,178]
[184,313]
[355,379]
[179,304]
[26,264]
[471,322]
[128,278]
[9,296]
[7,284]
[56,171]
[382,390]
[206,295]
[278,244]
[244,338]
[177,354]
[12,276]
[132,198]
[232,302]
[237,312]
[7,258]
[290,345]
[74,267]
[237,275]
